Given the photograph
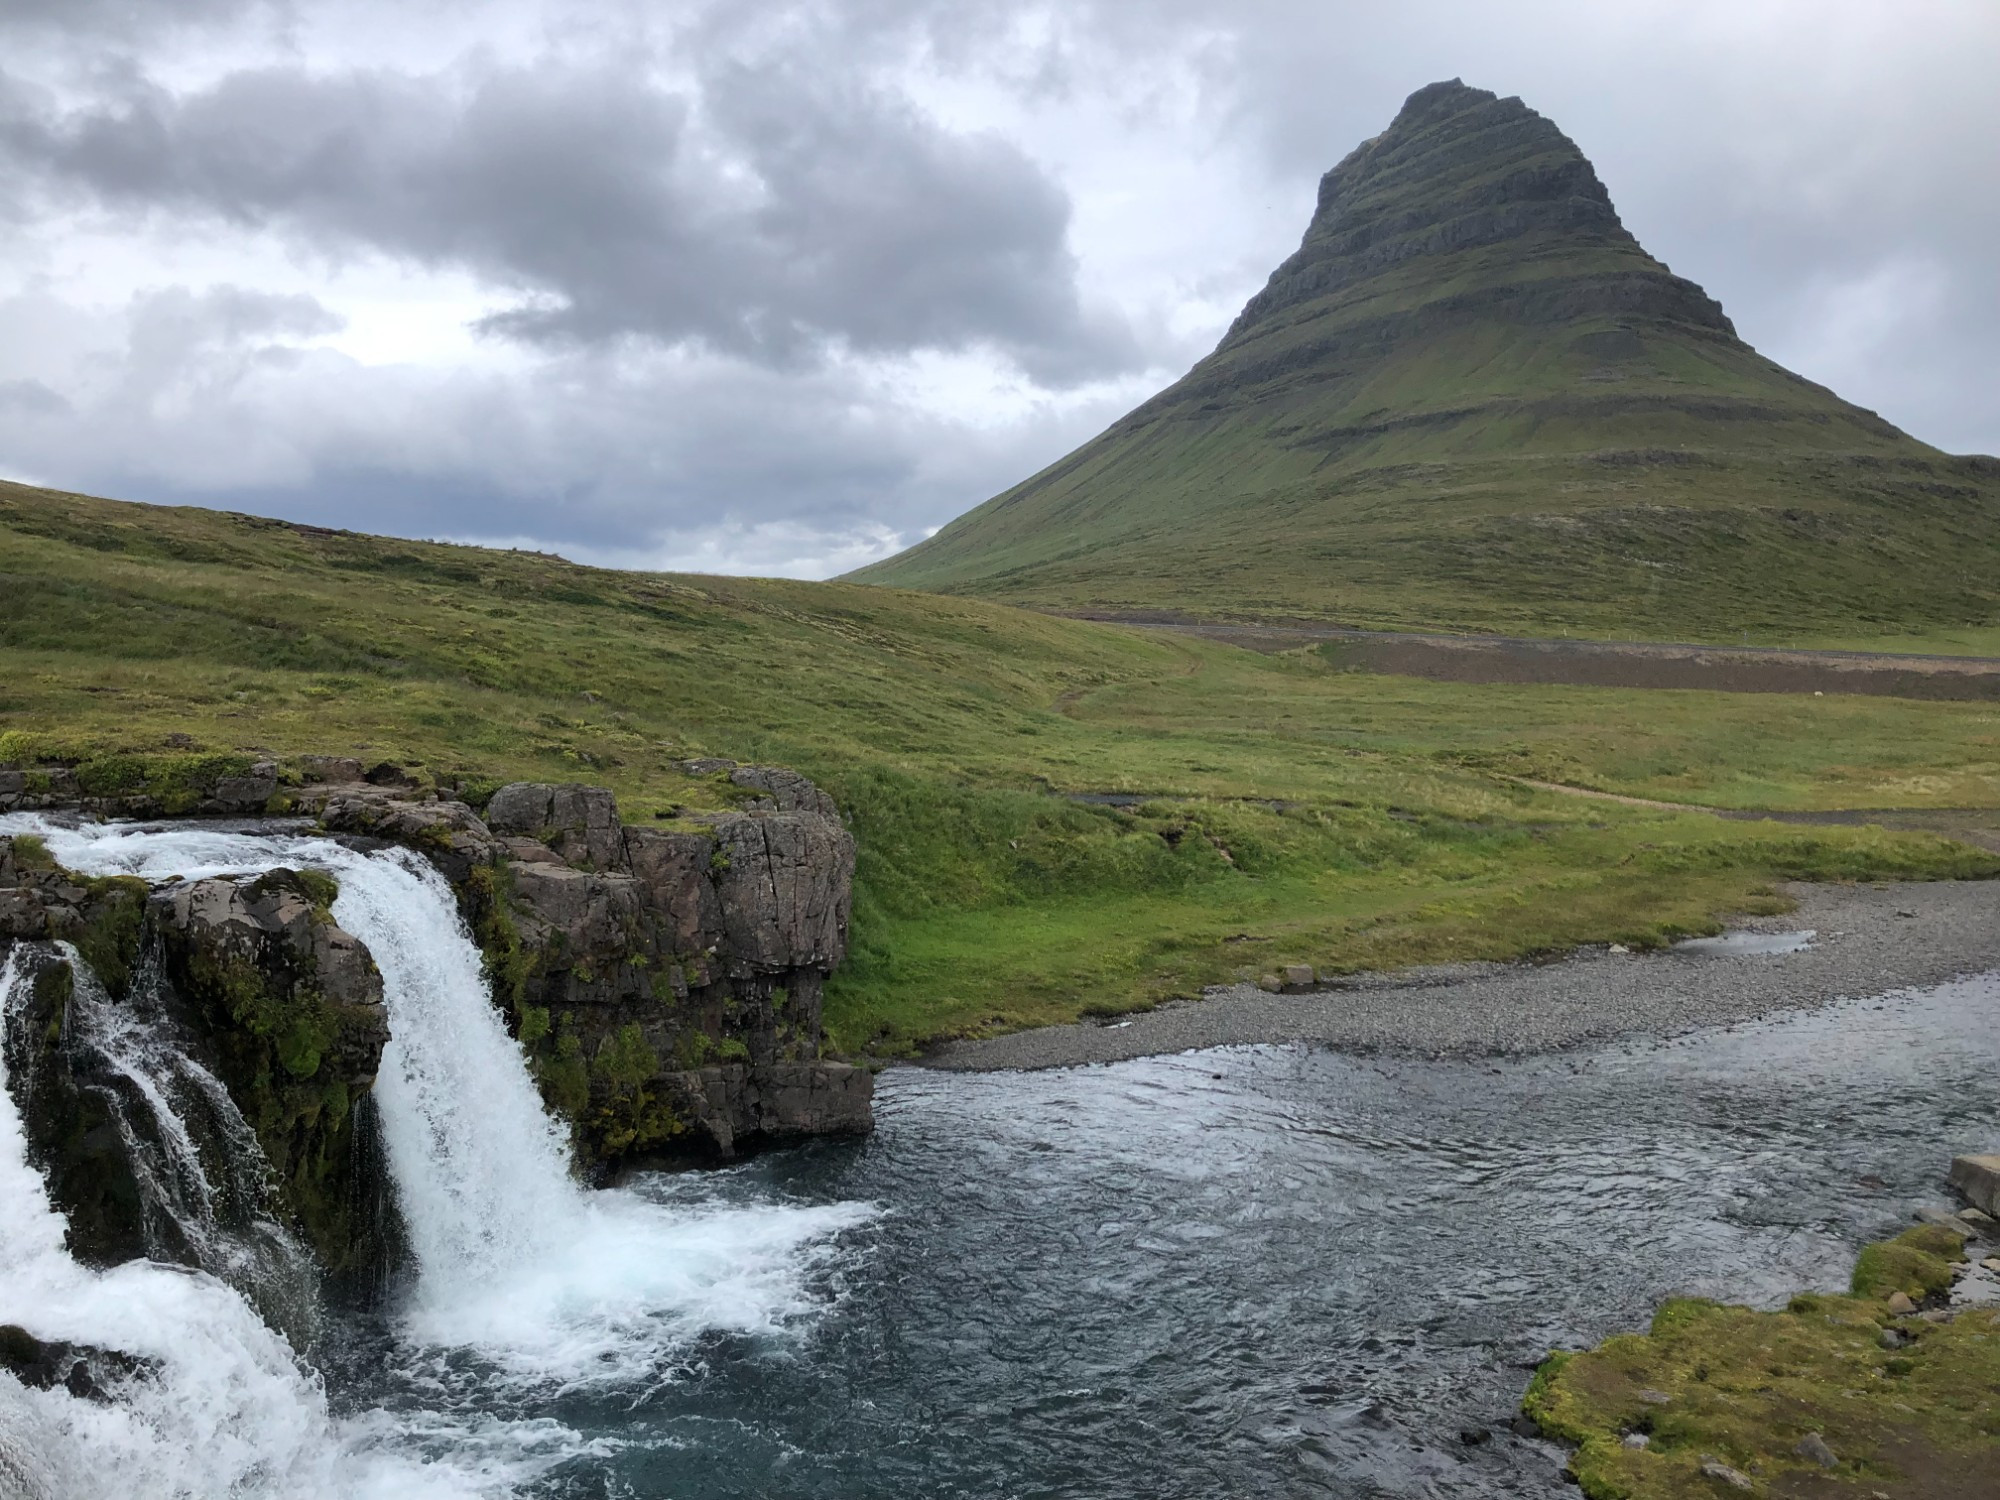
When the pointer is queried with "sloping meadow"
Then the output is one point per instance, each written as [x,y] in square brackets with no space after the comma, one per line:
[1054,817]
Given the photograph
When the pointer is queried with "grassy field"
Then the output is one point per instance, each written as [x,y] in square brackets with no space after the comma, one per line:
[1466,405]
[1290,812]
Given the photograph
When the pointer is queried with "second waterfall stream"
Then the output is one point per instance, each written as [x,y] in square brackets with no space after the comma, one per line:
[525,1282]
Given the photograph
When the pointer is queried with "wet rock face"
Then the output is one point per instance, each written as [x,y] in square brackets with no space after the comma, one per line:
[69,1101]
[80,1369]
[71,1114]
[292,1007]
[259,986]
[666,982]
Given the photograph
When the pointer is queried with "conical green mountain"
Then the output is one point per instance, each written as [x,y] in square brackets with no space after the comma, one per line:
[1471,399]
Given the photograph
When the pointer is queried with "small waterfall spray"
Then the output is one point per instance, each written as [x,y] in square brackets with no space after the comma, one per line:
[219,1405]
[526,1284]
[205,1183]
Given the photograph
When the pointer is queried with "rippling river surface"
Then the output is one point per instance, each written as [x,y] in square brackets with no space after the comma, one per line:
[1259,1271]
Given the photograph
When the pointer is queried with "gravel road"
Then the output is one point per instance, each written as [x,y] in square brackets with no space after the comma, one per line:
[1868,939]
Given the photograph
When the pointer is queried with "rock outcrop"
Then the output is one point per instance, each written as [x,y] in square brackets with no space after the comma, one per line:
[147,786]
[253,981]
[665,981]
[290,1006]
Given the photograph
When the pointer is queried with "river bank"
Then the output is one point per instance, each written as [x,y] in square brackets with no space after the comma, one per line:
[1867,939]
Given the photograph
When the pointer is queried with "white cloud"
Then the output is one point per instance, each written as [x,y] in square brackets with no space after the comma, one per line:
[816,276]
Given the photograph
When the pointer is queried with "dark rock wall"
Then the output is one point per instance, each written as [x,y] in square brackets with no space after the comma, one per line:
[665,981]
[273,998]
[291,1006]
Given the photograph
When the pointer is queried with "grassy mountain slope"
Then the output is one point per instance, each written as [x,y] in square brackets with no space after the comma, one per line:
[1295,812]
[1472,400]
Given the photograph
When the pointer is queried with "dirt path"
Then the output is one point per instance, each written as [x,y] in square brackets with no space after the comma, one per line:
[1630,664]
[1979,826]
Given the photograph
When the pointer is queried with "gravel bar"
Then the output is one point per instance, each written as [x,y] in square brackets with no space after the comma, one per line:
[1868,940]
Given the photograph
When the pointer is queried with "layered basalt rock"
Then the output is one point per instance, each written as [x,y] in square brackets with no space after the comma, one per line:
[253,981]
[290,1006]
[666,982]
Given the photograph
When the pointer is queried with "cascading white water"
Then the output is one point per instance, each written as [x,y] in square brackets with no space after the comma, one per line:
[214,1200]
[482,1172]
[526,1282]
[224,1411]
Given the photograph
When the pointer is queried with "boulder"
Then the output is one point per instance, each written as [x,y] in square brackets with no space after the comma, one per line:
[339,769]
[81,1369]
[1812,1447]
[291,1007]
[1978,1178]
[1736,1479]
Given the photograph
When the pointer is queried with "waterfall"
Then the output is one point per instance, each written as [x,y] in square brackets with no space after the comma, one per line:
[526,1284]
[205,1184]
[482,1171]
[223,1407]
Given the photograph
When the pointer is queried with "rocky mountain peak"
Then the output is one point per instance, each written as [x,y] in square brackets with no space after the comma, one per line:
[1460,169]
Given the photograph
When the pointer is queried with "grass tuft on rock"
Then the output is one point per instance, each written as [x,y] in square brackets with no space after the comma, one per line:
[1912,1415]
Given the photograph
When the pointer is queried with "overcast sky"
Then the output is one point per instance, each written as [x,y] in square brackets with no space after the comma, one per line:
[780,288]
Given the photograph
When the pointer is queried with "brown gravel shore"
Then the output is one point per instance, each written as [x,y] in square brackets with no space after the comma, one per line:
[1868,939]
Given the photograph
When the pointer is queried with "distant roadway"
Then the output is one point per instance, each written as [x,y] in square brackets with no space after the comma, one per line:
[1629,664]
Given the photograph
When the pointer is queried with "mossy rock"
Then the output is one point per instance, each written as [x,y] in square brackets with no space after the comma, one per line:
[1745,1388]
[1917,1263]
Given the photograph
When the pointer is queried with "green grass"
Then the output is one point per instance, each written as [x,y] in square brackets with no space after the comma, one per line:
[1537,434]
[1745,1387]
[1299,813]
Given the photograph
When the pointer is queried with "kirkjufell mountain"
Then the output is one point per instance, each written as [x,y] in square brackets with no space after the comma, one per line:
[1471,399]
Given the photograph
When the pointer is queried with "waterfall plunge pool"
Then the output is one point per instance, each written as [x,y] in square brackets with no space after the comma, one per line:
[1267,1270]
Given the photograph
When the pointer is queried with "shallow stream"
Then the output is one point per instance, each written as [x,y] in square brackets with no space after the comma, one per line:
[1276,1271]
[1270,1271]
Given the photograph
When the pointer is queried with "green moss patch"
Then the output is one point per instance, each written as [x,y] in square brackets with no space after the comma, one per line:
[1745,1388]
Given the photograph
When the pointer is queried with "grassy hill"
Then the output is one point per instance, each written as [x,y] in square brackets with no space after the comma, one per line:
[1472,400]
[1291,812]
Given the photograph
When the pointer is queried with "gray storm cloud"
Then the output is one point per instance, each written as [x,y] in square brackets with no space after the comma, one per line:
[716,253]
[774,213]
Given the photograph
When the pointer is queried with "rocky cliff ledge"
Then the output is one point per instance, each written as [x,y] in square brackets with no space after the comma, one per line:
[250,981]
[666,982]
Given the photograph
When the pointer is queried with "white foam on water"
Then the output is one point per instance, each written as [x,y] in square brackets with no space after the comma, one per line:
[527,1284]
[225,1411]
